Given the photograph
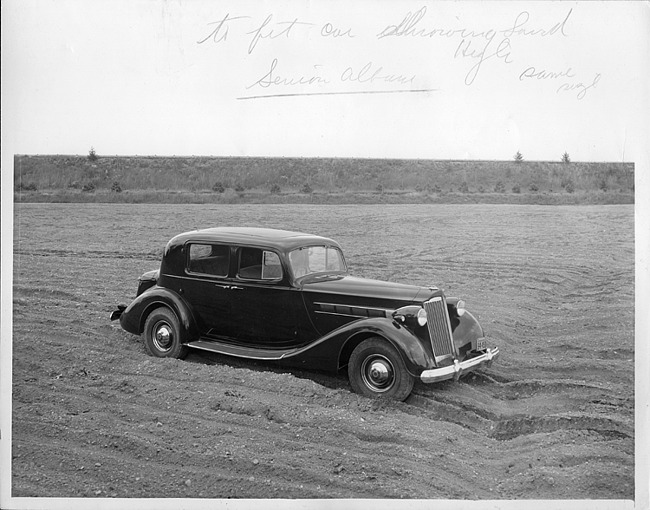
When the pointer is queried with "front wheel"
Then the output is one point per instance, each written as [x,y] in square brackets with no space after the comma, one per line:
[162,335]
[377,370]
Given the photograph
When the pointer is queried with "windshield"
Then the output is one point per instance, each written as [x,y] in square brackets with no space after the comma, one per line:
[316,259]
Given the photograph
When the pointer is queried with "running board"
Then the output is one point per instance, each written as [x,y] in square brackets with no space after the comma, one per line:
[241,351]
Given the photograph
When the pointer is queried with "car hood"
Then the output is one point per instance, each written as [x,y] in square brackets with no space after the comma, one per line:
[364,287]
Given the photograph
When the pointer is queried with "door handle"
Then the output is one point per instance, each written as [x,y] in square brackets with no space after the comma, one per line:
[228,287]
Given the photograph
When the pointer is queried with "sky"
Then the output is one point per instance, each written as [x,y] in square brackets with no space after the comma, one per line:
[446,80]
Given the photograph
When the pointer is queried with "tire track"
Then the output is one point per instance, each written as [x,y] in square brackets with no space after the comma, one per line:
[475,408]
[512,428]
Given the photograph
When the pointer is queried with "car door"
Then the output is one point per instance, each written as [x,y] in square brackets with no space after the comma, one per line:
[207,287]
[268,311]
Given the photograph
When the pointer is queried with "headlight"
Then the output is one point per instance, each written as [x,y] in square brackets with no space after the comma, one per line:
[411,315]
[460,307]
[422,317]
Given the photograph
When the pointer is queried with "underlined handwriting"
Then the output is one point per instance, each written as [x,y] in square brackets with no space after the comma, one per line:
[317,75]
[464,49]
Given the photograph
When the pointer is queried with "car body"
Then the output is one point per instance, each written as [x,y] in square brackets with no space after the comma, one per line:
[287,297]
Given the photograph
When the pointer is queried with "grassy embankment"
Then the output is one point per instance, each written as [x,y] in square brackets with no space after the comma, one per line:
[157,179]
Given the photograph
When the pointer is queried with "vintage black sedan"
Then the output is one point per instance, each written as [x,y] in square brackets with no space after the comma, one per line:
[287,297]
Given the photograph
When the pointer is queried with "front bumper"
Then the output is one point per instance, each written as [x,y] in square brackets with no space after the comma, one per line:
[459,368]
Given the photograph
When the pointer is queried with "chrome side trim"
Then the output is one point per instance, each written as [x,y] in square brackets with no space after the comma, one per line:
[378,309]
[341,309]
[343,314]
[458,369]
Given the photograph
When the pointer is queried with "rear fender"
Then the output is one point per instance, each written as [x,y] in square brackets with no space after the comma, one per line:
[135,315]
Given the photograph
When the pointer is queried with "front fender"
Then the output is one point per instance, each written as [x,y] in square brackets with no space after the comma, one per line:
[468,331]
[135,315]
[344,339]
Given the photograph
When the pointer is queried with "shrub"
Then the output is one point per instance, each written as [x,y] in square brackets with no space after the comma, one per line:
[92,155]
[30,186]
[275,189]
[481,189]
[89,187]
[516,188]
[218,187]
[499,187]
[464,188]
[570,187]
[239,188]
[306,188]
[116,188]
[518,157]
[534,188]
[603,185]
[74,185]
[566,158]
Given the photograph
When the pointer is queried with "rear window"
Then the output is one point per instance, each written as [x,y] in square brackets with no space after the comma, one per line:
[210,259]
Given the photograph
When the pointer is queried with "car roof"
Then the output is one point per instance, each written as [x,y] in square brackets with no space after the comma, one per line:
[253,236]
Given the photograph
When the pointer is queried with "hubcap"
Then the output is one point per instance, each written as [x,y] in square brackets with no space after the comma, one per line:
[163,336]
[378,373]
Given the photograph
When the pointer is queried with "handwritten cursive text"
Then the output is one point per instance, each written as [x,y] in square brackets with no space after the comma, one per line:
[479,46]
[531,72]
[370,73]
[220,31]
[271,78]
[264,32]
[580,87]
[466,49]
[522,19]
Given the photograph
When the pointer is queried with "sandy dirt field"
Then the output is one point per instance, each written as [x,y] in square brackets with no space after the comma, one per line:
[553,286]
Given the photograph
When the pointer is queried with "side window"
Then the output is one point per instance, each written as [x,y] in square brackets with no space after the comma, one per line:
[212,259]
[271,267]
[256,264]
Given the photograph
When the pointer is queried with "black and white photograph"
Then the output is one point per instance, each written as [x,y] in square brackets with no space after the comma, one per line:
[325,254]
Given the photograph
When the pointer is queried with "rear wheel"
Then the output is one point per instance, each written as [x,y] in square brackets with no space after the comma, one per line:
[162,335]
[377,370]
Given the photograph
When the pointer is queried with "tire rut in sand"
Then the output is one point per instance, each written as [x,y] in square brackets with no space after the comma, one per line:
[474,410]
[514,427]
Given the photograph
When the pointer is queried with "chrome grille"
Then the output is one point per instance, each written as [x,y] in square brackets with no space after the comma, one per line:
[439,328]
